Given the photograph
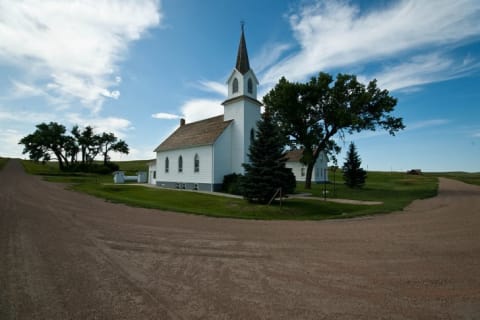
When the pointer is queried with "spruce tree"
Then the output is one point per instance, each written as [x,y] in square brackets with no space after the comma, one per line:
[266,171]
[353,175]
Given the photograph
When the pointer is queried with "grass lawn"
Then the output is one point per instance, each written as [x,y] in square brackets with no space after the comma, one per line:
[471,178]
[395,190]
[3,161]
[215,206]
[52,173]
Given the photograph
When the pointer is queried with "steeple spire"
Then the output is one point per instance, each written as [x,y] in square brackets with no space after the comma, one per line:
[242,56]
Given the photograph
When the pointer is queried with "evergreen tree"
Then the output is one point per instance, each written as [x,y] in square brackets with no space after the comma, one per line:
[353,175]
[266,171]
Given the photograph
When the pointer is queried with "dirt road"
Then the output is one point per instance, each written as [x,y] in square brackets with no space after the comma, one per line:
[66,255]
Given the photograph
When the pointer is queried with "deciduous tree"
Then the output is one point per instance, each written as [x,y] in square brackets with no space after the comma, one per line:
[311,114]
[109,142]
[46,140]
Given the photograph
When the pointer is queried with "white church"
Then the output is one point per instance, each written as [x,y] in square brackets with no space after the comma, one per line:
[199,154]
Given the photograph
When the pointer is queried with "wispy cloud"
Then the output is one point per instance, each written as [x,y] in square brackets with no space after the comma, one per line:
[335,34]
[163,115]
[26,117]
[198,109]
[427,124]
[269,54]
[214,86]
[9,146]
[119,126]
[423,69]
[72,48]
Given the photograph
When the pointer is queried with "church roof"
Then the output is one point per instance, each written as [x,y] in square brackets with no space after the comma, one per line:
[242,56]
[200,133]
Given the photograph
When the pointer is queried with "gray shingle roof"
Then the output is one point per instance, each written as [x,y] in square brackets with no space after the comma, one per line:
[200,133]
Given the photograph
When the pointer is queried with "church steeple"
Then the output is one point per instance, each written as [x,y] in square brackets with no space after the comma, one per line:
[242,81]
[241,107]
[242,55]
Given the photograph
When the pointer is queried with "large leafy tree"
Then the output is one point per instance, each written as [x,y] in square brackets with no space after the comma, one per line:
[109,142]
[88,142]
[266,171]
[47,140]
[51,142]
[311,114]
[353,175]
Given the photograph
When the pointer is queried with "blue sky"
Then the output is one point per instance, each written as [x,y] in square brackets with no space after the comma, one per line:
[135,67]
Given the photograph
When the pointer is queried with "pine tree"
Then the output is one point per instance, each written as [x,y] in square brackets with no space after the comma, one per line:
[266,171]
[353,175]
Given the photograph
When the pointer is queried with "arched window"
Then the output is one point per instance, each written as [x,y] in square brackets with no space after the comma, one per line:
[252,135]
[250,85]
[196,163]
[167,163]
[180,164]
[235,85]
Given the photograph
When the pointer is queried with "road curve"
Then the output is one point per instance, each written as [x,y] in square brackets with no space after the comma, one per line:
[66,255]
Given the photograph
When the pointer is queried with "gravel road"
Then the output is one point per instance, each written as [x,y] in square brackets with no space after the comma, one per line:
[66,255]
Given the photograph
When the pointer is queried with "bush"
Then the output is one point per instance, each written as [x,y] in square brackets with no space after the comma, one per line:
[93,168]
[232,183]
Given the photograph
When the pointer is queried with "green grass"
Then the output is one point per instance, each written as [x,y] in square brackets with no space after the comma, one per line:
[395,190]
[3,161]
[215,206]
[471,178]
[52,173]
[131,167]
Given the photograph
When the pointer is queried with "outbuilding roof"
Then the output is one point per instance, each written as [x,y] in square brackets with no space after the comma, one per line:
[294,155]
[297,154]
[200,133]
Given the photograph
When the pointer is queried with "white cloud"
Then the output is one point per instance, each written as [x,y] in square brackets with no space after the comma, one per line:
[163,115]
[117,126]
[336,34]
[427,124]
[198,109]
[9,146]
[143,153]
[269,54]
[21,89]
[74,46]
[423,69]
[214,86]
[28,117]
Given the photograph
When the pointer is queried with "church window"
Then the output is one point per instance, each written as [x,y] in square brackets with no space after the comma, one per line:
[235,85]
[180,164]
[302,172]
[166,164]
[252,135]
[250,85]
[196,163]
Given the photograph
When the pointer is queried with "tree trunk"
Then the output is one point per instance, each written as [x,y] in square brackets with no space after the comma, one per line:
[308,177]
[105,155]
[84,156]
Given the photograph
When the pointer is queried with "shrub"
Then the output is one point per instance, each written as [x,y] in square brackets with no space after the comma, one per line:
[232,183]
